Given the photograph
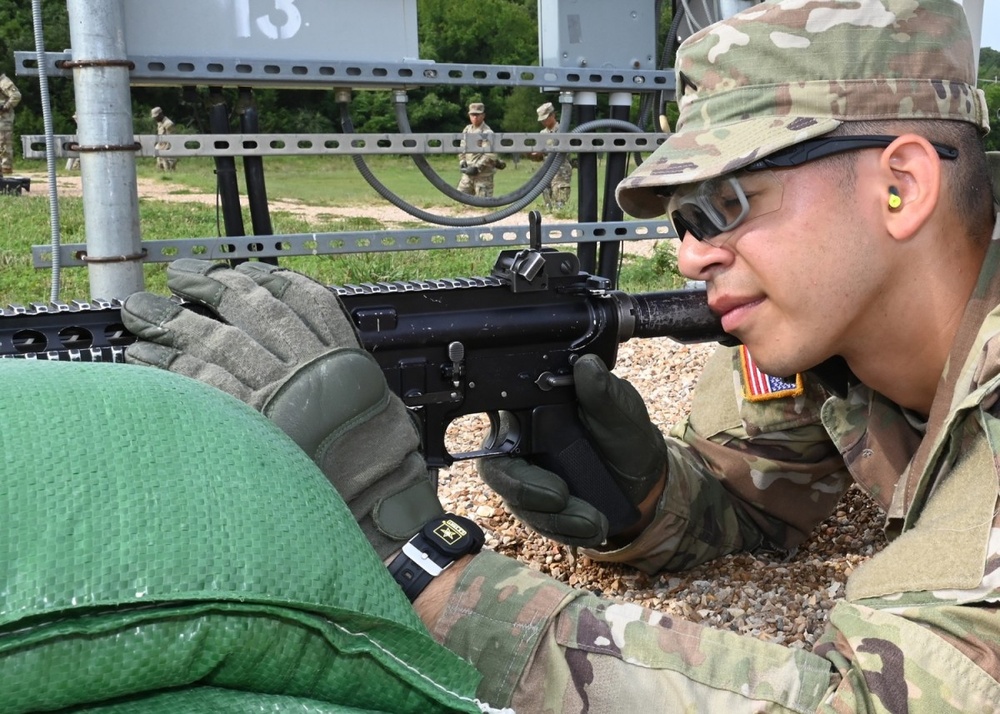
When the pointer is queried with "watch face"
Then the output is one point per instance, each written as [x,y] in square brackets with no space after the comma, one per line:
[451,535]
[449,532]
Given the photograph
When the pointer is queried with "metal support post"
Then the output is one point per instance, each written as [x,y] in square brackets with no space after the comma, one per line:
[586,185]
[107,147]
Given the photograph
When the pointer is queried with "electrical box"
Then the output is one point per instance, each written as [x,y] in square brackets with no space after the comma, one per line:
[345,30]
[597,33]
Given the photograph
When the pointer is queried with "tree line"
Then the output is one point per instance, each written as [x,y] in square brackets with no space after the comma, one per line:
[499,32]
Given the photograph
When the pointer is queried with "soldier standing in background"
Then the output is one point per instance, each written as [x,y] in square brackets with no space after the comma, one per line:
[163,126]
[557,192]
[73,162]
[10,97]
[477,167]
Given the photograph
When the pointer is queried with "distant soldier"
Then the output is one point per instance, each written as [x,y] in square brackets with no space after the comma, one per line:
[10,97]
[557,192]
[73,162]
[477,167]
[163,127]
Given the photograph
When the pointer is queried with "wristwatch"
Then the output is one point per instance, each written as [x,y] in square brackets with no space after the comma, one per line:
[441,542]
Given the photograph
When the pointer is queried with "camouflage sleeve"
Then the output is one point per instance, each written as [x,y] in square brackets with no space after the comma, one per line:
[10,90]
[741,474]
[543,646]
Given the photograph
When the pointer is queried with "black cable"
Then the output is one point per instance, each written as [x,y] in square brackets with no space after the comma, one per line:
[253,172]
[384,192]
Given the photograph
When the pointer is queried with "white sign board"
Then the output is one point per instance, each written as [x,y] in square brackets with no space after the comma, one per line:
[324,30]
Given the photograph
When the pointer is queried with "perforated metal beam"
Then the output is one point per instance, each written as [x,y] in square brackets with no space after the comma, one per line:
[318,74]
[350,144]
[234,247]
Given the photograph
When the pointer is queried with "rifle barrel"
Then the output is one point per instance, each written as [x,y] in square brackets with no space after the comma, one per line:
[682,315]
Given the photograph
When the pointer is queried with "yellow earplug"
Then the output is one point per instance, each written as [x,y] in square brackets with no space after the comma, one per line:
[894,200]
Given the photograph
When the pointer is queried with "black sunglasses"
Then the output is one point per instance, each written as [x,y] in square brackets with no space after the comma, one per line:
[814,149]
[703,220]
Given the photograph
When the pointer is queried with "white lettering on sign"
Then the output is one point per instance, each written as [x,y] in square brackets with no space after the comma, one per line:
[286,30]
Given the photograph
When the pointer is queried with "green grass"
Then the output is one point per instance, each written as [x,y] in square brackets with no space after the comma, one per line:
[317,181]
[335,181]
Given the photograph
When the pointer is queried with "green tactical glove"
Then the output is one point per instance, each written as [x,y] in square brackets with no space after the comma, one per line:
[632,447]
[285,346]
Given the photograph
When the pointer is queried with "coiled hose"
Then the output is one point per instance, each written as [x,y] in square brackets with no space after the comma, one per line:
[403,122]
[531,195]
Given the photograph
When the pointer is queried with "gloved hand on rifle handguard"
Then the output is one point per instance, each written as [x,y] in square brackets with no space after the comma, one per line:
[285,346]
[632,447]
[470,170]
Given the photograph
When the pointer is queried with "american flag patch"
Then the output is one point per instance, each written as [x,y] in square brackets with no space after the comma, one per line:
[758,386]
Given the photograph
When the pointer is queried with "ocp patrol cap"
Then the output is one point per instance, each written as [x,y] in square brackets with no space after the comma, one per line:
[782,72]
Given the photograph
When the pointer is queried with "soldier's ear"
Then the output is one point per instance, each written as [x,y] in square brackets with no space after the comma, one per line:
[909,171]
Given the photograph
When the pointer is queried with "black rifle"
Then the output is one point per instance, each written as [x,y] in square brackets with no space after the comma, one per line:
[449,348]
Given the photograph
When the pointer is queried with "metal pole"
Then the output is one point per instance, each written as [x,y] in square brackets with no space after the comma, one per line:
[586,182]
[974,15]
[107,147]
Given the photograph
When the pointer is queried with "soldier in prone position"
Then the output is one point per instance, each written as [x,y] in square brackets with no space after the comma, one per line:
[780,132]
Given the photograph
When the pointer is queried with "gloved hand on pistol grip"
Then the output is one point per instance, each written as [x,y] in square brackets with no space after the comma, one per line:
[620,429]
[284,345]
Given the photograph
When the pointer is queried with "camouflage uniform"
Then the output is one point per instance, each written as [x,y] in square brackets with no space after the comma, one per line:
[164,126]
[10,97]
[557,192]
[919,629]
[482,183]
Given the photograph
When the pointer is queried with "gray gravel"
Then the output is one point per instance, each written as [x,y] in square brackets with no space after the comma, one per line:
[764,595]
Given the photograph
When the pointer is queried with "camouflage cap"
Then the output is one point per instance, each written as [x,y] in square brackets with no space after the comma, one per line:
[545,111]
[155,112]
[477,108]
[782,72]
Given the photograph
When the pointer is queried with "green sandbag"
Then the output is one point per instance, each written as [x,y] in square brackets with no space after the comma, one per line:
[161,539]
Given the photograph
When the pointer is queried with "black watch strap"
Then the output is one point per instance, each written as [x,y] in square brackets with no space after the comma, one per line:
[430,552]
